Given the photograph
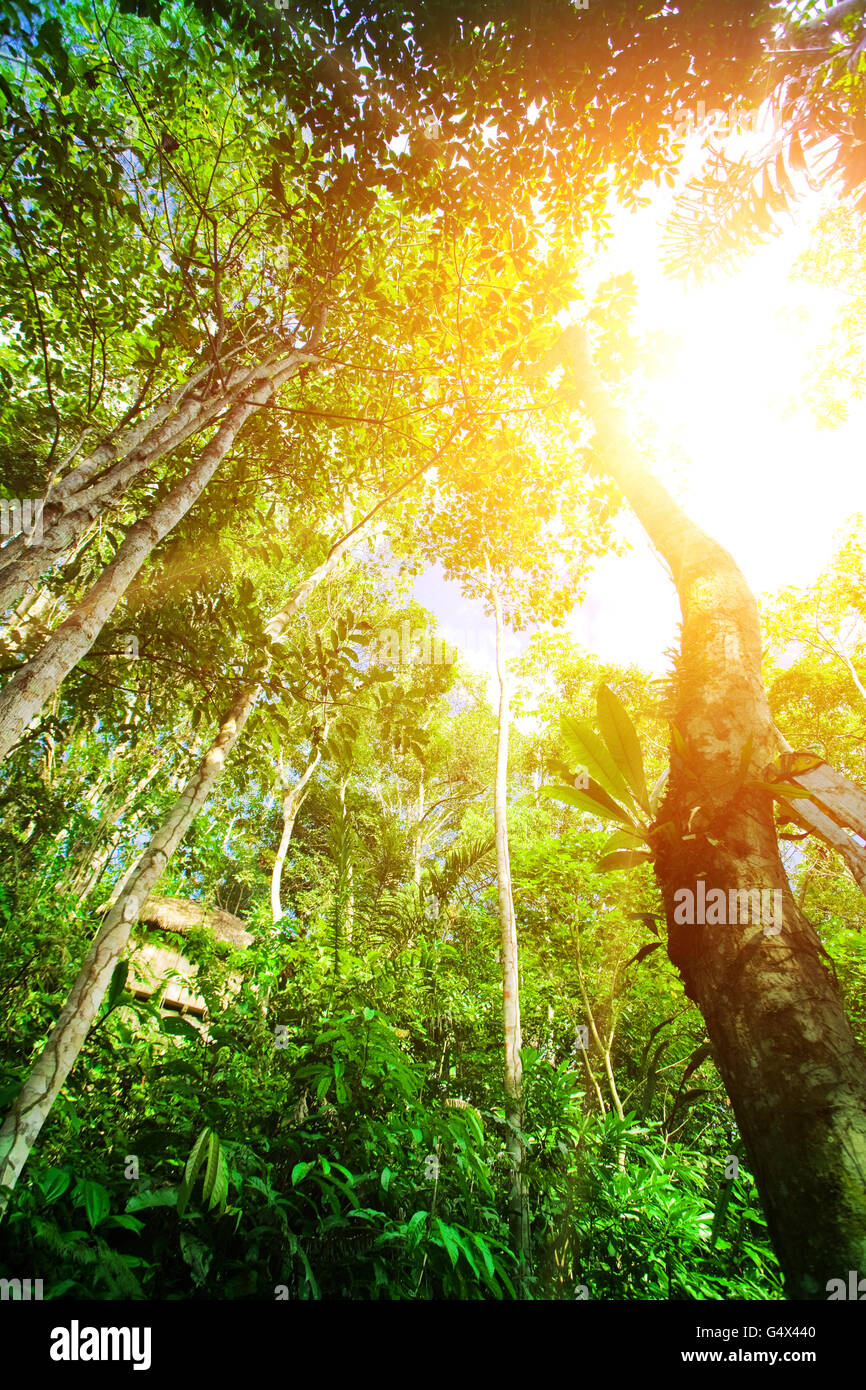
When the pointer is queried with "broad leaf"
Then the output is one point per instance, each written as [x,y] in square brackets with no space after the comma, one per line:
[118,983]
[450,1240]
[415,1228]
[622,740]
[162,1197]
[55,1182]
[193,1163]
[624,859]
[300,1171]
[624,839]
[97,1202]
[594,800]
[590,750]
[216,1178]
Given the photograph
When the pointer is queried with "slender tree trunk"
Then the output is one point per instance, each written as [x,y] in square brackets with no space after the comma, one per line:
[94,863]
[85,493]
[793,1070]
[98,863]
[418,838]
[26,692]
[518,1202]
[293,799]
[41,1088]
[604,1045]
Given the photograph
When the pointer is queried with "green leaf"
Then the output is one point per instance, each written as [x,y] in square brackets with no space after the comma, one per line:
[193,1163]
[450,1240]
[621,738]
[624,859]
[414,1228]
[126,1223]
[386,1178]
[590,750]
[594,800]
[118,983]
[481,1245]
[300,1171]
[216,1178]
[468,1254]
[161,1197]
[624,839]
[97,1202]
[474,1124]
[55,1182]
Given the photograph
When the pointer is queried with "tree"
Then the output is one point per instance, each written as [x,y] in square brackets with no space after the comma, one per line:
[774,1015]
[426,254]
[518,1197]
[218,230]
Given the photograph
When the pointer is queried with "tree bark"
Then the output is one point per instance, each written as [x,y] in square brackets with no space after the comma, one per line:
[793,1070]
[293,799]
[72,504]
[518,1201]
[34,682]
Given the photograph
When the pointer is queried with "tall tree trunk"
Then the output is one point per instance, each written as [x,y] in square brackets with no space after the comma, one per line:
[34,682]
[85,493]
[418,837]
[518,1199]
[36,1097]
[793,1070]
[293,799]
[95,859]
[41,1088]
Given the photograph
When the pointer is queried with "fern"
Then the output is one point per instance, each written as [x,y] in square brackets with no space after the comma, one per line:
[96,1253]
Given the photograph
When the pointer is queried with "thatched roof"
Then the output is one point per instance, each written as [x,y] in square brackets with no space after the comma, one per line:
[182,915]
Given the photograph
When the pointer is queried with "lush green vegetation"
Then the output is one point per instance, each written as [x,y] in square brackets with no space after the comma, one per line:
[283,303]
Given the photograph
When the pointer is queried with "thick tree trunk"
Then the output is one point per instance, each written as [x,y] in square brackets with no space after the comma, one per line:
[25,694]
[518,1202]
[293,799]
[782,1042]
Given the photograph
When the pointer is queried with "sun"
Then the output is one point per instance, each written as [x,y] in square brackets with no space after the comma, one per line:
[724,426]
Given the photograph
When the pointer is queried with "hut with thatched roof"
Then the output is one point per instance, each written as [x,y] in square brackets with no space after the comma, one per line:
[150,963]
